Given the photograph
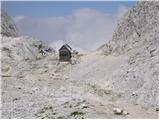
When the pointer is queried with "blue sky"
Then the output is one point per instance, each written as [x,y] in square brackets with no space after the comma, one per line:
[78,23]
[59,8]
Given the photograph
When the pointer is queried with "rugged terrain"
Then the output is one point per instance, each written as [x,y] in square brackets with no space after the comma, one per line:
[120,75]
[137,37]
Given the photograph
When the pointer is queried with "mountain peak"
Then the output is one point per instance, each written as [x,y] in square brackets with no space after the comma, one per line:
[8,27]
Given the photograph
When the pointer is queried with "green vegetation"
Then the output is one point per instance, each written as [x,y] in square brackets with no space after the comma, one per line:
[76,113]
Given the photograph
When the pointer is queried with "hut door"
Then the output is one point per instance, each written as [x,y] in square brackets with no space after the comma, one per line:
[64,56]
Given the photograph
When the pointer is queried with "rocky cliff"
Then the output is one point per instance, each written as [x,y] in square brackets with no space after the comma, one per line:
[8,28]
[137,37]
[137,28]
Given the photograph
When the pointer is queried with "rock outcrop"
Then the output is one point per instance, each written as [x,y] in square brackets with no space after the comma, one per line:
[137,28]
[8,28]
[137,37]
[19,50]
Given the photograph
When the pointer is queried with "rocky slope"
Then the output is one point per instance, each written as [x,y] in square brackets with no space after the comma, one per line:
[136,36]
[19,50]
[8,28]
[36,85]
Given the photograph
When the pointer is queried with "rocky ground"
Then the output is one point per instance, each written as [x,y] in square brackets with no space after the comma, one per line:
[119,80]
[136,37]
[63,90]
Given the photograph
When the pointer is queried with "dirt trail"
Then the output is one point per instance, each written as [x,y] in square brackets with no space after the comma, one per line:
[88,78]
[62,90]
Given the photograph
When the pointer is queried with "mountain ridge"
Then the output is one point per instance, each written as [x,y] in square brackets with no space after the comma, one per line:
[137,37]
[119,80]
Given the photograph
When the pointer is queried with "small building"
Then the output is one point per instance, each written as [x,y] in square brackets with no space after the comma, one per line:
[65,53]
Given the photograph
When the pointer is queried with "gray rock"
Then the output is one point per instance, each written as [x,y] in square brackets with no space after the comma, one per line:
[118,111]
[136,37]
[8,27]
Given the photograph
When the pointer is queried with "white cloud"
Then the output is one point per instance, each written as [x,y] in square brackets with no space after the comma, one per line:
[18,18]
[89,28]
[85,29]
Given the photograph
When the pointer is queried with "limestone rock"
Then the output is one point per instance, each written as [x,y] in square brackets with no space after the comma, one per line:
[8,27]
[118,111]
[136,37]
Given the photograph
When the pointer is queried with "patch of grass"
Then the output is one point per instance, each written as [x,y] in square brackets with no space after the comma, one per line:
[93,86]
[76,113]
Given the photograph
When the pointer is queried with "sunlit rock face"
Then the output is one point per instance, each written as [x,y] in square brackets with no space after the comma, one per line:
[136,36]
[8,28]
[138,27]
[19,50]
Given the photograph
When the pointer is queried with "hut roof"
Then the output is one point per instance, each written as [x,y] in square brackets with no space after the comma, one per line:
[66,46]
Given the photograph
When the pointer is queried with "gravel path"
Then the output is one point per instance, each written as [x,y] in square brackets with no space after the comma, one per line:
[52,91]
